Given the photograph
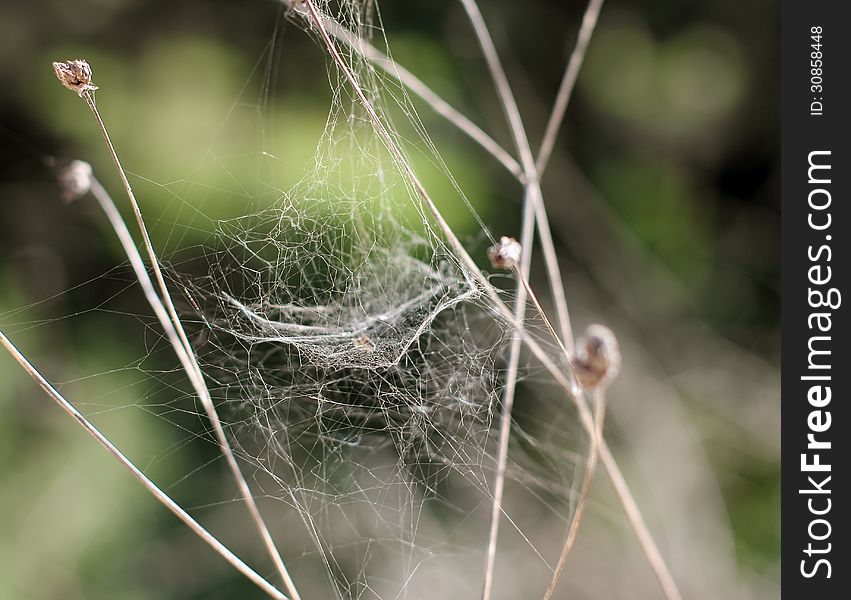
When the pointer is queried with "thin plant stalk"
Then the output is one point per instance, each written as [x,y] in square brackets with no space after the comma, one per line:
[521,142]
[527,237]
[645,538]
[138,265]
[568,82]
[188,360]
[622,490]
[161,496]
[533,197]
[587,480]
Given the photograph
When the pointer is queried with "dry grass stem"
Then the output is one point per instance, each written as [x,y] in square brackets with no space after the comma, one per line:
[622,490]
[521,142]
[179,341]
[585,490]
[597,363]
[534,197]
[161,496]
[568,82]
[527,236]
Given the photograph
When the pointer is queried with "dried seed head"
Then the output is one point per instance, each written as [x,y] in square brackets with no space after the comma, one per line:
[598,357]
[75,75]
[505,254]
[76,180]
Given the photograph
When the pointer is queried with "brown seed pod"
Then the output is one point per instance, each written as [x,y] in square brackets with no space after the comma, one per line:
[505,254]
[75,75]
[598,357]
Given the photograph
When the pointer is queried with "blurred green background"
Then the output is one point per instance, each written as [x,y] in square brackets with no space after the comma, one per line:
[662,196]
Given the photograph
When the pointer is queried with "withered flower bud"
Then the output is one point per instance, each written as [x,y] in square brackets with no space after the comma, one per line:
[75,75]
[598,357]
[75,180]
[506,253]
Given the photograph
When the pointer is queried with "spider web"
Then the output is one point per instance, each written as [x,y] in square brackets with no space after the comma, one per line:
[356,363]
[360,367]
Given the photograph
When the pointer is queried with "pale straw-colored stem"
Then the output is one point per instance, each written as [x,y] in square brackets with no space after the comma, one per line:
[624,494]
[565,91]
[584,492]
[555,370]
[645,538]
[521,142]
[522,291]
[568,83]
[161,496]
[527,237]
[183,349]
[534,197]
[138,265]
